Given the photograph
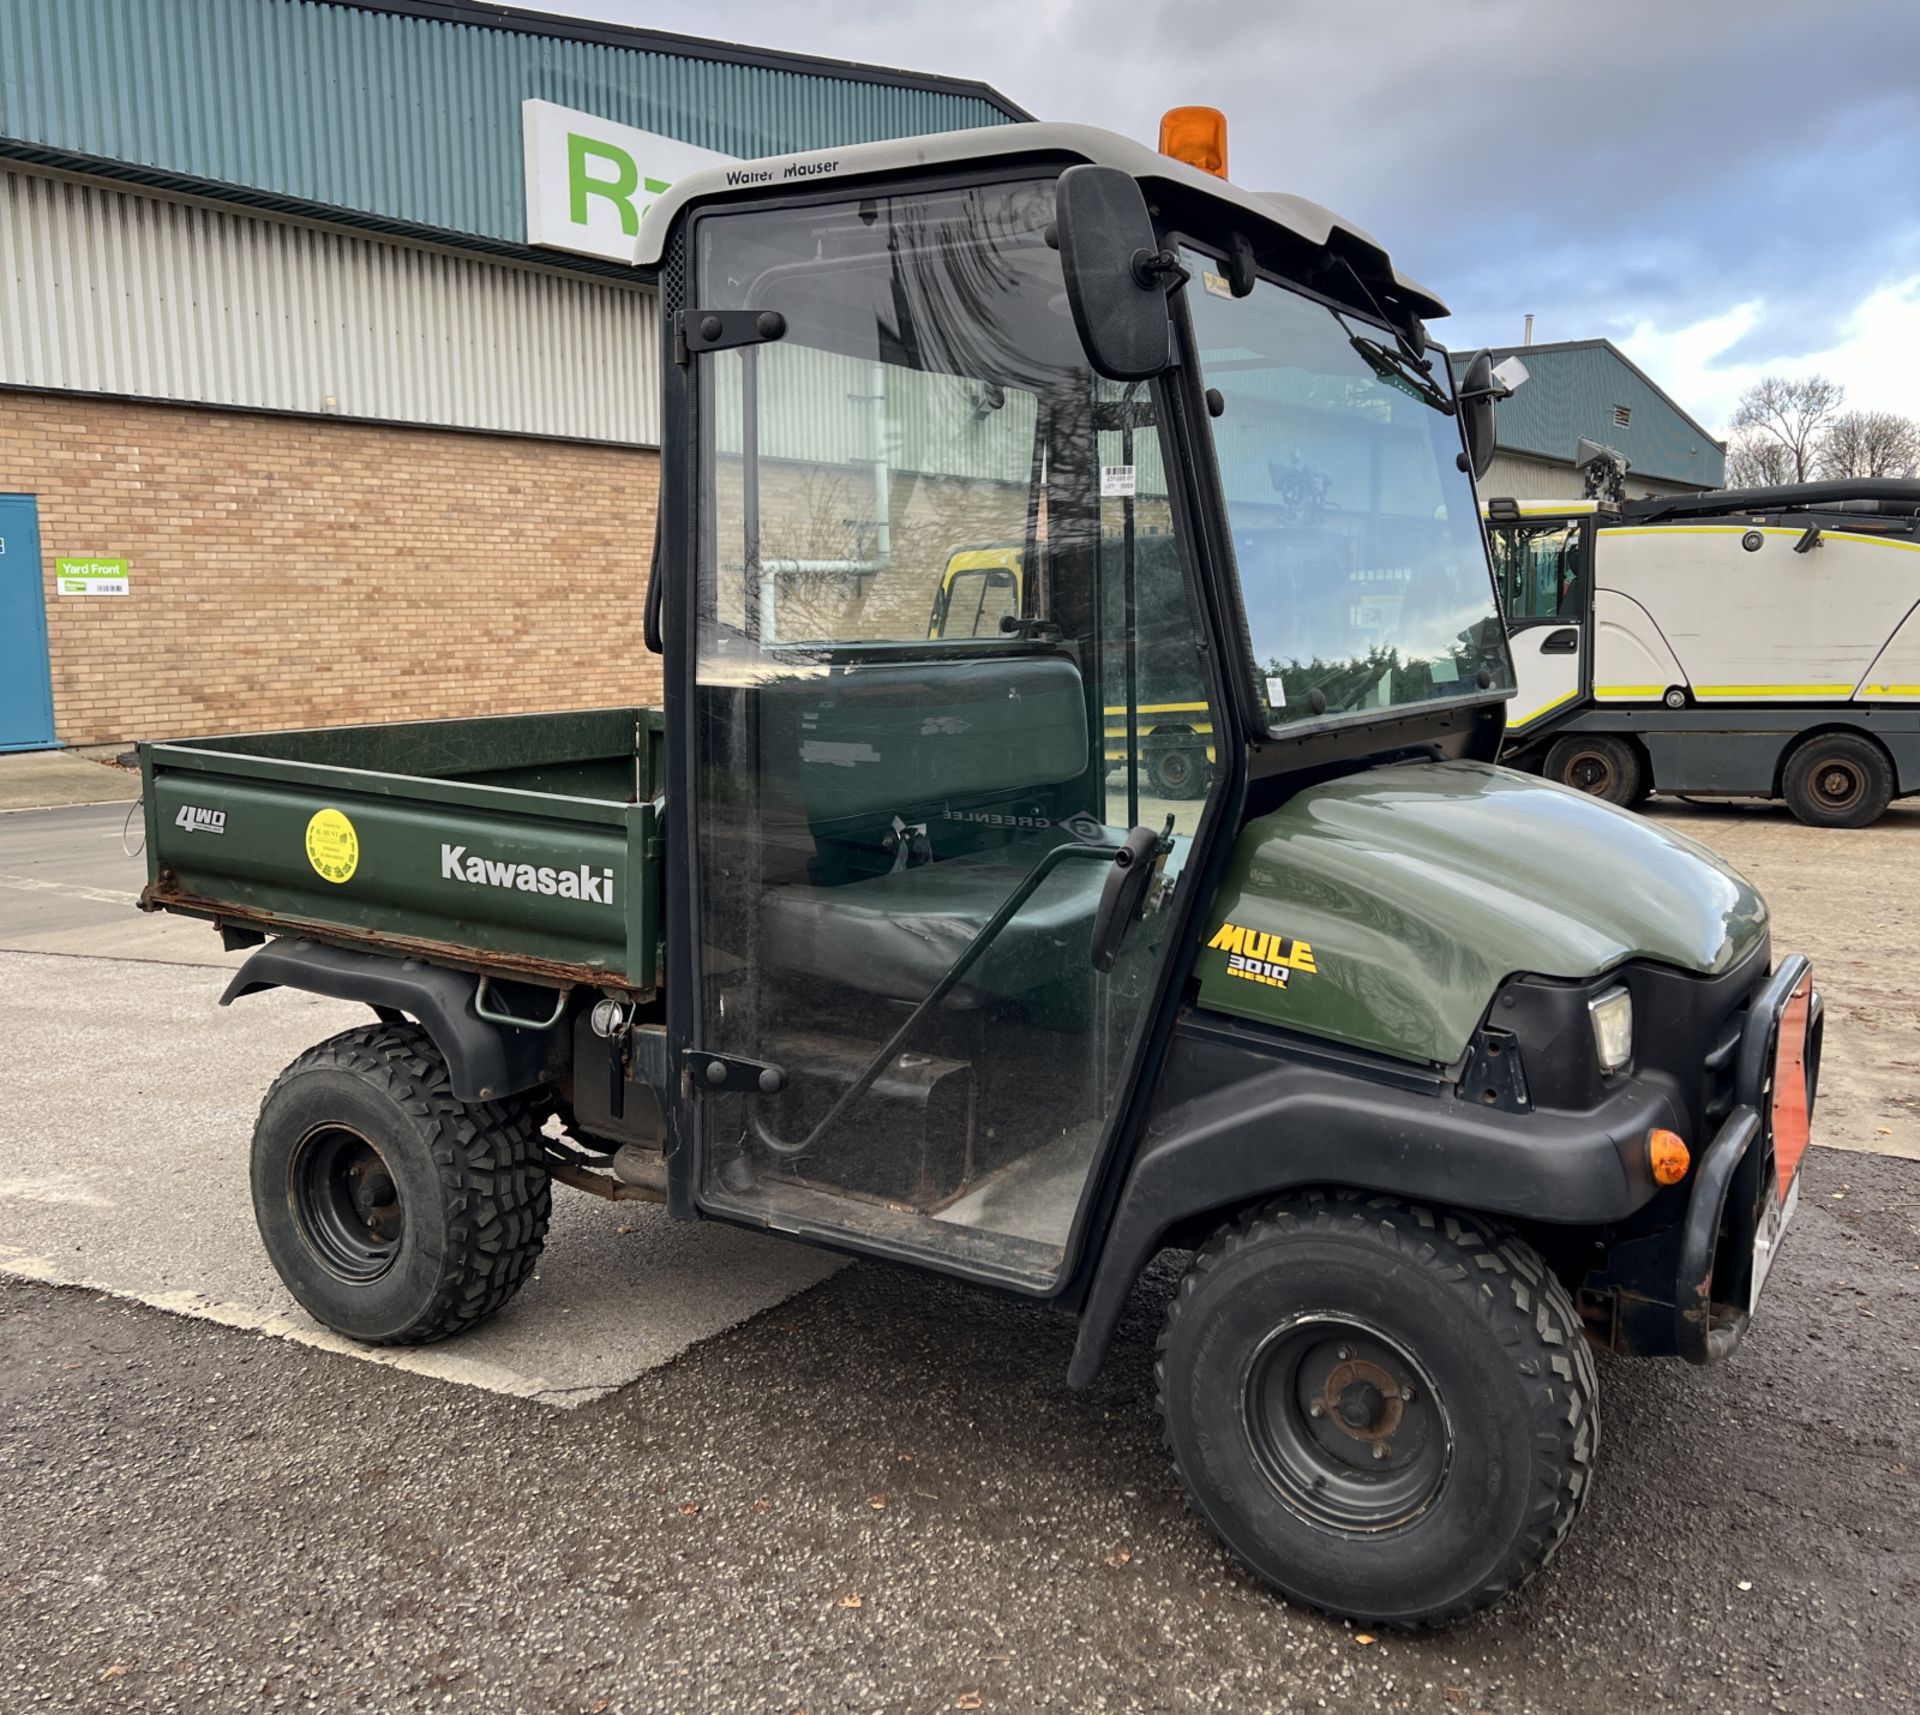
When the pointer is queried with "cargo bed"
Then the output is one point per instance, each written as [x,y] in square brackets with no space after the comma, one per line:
[518,845]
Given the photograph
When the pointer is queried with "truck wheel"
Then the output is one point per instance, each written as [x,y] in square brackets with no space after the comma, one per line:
[1385,1411]
[1178,771]
[395,1214]
[1838,780]
[1606,767]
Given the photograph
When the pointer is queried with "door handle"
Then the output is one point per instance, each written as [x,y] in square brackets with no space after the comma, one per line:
[1565,641]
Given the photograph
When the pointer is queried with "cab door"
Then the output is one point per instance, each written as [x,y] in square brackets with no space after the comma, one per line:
[899,832]
[1541,567]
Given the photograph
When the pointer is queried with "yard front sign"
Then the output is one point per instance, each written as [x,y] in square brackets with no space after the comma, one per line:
[589,180]
[73,575]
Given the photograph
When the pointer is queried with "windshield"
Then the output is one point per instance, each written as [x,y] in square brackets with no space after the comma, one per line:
[1362,573]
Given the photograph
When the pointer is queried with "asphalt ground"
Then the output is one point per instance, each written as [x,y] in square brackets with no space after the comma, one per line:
[200,1518]
[881,1497]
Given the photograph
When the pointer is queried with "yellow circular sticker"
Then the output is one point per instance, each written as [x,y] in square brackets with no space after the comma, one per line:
[333,848]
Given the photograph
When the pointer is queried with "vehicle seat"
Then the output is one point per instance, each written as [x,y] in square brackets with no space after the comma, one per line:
[870,746]
[897,935]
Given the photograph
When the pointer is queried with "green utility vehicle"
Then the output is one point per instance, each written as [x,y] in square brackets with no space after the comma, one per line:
[1443,1074]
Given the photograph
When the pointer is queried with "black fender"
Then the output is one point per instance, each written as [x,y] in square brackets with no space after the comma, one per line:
[486,1060]
[1230,1129]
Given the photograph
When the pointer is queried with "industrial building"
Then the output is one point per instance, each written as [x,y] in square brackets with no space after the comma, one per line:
[327,393]
[1589,389]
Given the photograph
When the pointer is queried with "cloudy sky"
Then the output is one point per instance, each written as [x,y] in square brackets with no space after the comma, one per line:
[1722,187]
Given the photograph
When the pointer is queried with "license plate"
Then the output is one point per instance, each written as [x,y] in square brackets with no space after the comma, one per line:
[1766,1243]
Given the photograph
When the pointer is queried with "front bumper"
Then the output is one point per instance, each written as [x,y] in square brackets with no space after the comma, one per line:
[1745,1183]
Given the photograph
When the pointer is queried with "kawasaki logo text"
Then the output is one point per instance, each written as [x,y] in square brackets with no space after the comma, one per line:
[594,886]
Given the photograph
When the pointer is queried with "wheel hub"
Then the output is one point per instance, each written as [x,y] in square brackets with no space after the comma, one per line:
[1364,1399]
[1345,1424]
[1838,784]
[346,1203]
[1590,772]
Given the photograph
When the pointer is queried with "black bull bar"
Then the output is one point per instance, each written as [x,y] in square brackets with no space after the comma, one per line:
[1748,1169]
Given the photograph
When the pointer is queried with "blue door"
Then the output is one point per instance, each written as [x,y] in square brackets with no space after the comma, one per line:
[26,685]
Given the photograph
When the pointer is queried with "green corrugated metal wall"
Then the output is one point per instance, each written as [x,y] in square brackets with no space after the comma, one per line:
[402,119]
[1572,392]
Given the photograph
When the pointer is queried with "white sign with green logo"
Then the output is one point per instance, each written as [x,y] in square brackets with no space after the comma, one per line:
[91,577]
[589,180]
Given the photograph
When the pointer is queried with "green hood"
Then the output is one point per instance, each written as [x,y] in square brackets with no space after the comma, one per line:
[1383,909]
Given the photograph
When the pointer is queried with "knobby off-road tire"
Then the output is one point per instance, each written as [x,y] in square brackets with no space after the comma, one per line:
[394,1213]
[1309,1332]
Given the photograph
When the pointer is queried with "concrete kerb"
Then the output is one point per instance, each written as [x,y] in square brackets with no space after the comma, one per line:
[51,779]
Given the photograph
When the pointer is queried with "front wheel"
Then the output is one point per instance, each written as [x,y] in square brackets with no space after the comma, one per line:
[1176,770]
[1385,1411]
[394,1213]
[1601,765]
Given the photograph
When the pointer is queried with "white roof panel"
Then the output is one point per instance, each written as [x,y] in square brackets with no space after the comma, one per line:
[1292,214]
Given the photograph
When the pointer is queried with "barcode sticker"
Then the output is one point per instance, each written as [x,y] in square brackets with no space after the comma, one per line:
[1116,481]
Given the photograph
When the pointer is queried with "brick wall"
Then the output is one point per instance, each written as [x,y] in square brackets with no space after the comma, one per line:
[295,572]
[824,512]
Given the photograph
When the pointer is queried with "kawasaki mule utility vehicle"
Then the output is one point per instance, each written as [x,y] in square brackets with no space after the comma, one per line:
[1441,1073]
[1758,642]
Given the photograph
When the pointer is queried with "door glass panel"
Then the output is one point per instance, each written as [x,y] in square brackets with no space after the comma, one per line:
[1537,567]
[942,660]
[1159,730]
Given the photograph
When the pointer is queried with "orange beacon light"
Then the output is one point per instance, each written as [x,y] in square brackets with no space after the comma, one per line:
[1196,135]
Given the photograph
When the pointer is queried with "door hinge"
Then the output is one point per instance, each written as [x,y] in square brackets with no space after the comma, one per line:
[722,330]
[731,1072]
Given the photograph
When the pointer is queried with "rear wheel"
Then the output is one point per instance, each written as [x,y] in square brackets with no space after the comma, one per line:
[394,1213]
[1599,764]
[1838,780]
[1385,1411]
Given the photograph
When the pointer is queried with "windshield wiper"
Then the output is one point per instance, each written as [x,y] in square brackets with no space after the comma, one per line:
[1397,369]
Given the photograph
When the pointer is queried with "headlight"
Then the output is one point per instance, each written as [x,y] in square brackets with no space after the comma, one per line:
[1612,1015]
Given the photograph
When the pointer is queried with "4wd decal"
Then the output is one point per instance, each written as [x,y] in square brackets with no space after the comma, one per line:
[192,819]
[1260,957]
[595,887]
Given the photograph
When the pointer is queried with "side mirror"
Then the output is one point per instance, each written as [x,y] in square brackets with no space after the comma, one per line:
[1116,273]
[1479,388]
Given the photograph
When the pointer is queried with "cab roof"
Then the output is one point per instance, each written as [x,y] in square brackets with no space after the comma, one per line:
[1257,213]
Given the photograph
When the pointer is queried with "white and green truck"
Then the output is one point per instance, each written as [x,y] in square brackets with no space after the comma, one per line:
[1739,643]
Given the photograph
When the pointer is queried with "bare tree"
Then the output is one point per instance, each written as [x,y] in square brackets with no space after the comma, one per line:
[1870,443]
[1793,413]
[1757,461]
